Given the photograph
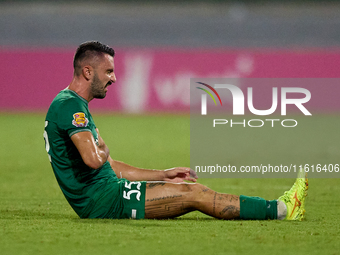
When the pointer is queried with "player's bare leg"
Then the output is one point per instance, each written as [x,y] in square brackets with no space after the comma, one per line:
[168,200]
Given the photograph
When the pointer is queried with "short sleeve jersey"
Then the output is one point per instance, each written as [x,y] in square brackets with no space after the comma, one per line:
[69,114]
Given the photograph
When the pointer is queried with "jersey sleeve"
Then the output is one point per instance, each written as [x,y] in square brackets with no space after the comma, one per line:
[73,117]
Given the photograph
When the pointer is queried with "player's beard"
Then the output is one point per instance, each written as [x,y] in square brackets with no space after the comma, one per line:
[97,88]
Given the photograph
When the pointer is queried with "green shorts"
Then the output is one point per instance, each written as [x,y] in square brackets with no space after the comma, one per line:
[120,199]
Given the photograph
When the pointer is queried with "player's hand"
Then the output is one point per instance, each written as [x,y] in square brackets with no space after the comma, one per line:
[180,174]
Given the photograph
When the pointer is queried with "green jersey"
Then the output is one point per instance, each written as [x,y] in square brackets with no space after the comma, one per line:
[69,114]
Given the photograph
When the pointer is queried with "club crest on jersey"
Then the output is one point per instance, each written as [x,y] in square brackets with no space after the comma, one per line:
[79,119]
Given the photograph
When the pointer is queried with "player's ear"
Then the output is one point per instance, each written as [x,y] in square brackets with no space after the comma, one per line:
[87,72]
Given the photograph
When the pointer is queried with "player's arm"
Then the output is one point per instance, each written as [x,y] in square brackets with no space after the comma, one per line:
[177,174]
[93,156]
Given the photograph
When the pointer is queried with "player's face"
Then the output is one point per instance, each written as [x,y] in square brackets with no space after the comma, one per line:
[103,77]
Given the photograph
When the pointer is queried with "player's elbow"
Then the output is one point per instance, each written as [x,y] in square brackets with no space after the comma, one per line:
[94,158]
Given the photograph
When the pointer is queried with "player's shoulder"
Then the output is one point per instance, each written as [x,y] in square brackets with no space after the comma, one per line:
[68,98]
[66,102]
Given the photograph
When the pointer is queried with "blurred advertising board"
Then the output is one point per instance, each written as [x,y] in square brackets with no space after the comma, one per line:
[150,80]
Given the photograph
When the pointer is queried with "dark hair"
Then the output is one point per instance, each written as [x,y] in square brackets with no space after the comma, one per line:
[89,50]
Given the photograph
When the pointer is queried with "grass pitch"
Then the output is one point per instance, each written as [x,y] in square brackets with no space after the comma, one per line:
[36,219]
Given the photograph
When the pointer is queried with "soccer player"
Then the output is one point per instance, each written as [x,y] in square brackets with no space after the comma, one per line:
[96,186]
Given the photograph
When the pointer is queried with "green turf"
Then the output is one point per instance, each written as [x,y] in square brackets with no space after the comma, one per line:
[36,219]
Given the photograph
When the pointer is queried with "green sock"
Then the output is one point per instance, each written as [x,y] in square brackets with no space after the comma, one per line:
[271,212]
[257,208]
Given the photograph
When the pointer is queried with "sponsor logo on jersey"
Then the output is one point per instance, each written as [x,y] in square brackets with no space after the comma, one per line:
[79,119]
